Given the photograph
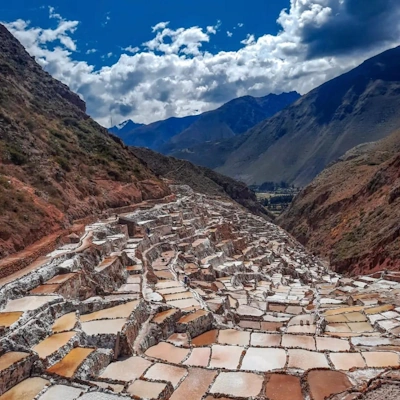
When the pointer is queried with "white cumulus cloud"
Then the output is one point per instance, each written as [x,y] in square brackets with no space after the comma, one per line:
[172,75]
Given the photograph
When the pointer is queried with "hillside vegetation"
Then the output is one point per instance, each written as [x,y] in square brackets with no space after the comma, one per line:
[350,213]
[200,179]
[56,163]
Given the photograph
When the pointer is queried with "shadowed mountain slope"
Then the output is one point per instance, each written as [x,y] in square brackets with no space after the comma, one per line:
[200,179]
[350,213]
[299,142]
[156,135]
[124,128]
[231,119]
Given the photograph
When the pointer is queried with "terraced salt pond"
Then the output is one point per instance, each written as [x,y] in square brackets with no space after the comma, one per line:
[70,363]
[213,303]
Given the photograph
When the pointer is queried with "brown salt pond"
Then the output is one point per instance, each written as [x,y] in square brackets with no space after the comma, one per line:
[360,327]
[10,358]
[45,289]
[26,390]
[237,384]
[9,318]
[147,390]
[71,362]
[263,360]
[323,384]
[162,316]
[255,325]
[107,326]
[121,311]
[206,339]
[283,387]
[195,385]
[60,278]
[164,274]
[225,356]
[304,359]
[51,344]
[265,340]
[167,352]
[193,316]
[64,323]
[232,336]
[165,372]
[271,326]
[343,310]
[199,357]
[126,370]
[347,361]
[277,308]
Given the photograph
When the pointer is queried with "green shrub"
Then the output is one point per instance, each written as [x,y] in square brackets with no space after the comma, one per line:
[63,163]
[16,156]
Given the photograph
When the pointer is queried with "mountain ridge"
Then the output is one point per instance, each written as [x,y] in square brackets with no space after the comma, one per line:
[298,142]
[231,119]
[356,107]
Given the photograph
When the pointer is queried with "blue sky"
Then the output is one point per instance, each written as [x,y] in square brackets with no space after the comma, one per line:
[148,60]
[109,26]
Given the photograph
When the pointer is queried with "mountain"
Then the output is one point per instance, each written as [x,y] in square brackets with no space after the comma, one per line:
[300,141]
[57,165]
[157,134]
[350,213]
[200,179]
[231,119]
[124,128]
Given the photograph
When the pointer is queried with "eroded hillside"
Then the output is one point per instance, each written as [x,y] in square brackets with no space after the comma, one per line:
[56,163]
[350,213]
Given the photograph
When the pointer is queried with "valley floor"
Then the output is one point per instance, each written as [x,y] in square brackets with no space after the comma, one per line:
[195,299]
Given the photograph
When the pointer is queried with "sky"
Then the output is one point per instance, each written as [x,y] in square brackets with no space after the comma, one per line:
[148,60]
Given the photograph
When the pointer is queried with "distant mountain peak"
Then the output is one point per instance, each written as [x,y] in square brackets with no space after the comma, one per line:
[122,124]
[123,127]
